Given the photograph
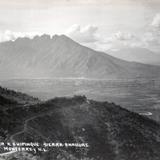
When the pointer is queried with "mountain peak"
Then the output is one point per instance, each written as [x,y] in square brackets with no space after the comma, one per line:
[43,37]
[52,38]
[47,36]
[62,37]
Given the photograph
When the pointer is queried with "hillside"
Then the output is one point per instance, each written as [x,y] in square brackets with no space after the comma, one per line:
[13,98]
[12,104]
[140,55]
[59,56]
[111,132]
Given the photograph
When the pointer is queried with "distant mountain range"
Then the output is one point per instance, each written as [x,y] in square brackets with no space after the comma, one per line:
[141,55]
[110,131]
[60,56]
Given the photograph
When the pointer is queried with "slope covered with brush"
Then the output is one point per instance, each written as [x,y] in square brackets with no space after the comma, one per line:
[111,132]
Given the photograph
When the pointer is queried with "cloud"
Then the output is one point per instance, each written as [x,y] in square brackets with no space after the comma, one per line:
[10,35]
[123,36]
[86,34]
[156,21]
[151,38]
[116,40]
[89,36]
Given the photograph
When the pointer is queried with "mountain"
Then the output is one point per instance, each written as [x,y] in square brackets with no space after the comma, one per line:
[109,131]
[59,56]
[140,55]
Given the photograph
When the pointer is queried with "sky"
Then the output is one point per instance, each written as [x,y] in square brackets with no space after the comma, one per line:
[100,24]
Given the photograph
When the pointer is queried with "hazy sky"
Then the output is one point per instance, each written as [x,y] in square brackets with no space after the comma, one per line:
[100,24]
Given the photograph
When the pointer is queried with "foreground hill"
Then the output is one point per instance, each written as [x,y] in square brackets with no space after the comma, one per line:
[59,56]
[10,104]
[111,132]
[140,55]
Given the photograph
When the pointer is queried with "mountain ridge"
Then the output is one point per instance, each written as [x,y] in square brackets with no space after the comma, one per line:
[60,56]
[141,55]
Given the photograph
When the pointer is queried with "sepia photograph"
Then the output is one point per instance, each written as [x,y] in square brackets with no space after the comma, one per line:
[80,80]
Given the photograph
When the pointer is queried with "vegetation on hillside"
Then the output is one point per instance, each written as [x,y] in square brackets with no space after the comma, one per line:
[112,133]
